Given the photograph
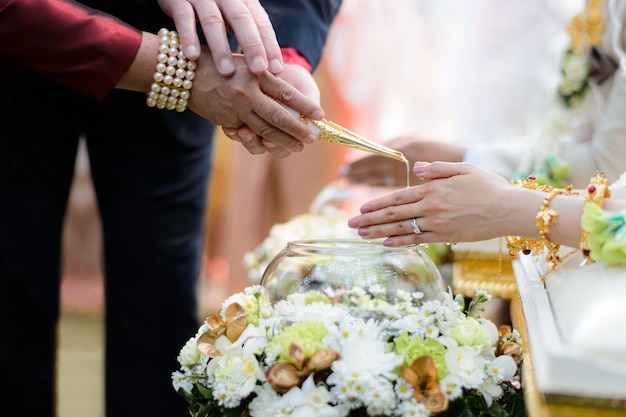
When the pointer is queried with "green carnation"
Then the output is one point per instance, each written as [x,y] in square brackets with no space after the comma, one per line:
[307,334]
[412,347]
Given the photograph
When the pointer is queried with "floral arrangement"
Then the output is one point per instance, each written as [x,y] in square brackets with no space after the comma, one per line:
[314,355]
[607,234]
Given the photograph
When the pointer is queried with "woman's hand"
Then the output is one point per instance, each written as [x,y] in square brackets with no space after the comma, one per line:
[247,19]
[458,202]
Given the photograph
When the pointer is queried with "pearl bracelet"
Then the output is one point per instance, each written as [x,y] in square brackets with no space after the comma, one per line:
[173,76]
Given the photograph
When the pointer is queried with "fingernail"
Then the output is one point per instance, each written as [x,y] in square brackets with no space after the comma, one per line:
[276,66]
[259,64]
[310,138]
[269,144]
[344,170]
[418,169]
[364,231]
[318,115]
[366,208]
[353,223]
[388,242]
[226,66]
[192,52]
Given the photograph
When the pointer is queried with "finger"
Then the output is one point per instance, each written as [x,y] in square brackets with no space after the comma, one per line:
[242,18]
[268,37]
[214,28]
[185,21]
[251,141]
[275,150]
[398,199]
[273,122]
[231,133]
[287,94]
[270,134]
[437,170]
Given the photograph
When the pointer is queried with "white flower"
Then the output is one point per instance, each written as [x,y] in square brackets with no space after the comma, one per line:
[502,368]
[412,408]
[267,403]
[182,381]
[189,355]
[463,362]
[381,399]
[451,386]
[363,351]
[310,400]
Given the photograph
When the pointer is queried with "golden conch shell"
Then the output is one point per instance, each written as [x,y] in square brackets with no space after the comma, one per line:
[284,376]
[422,375]
[232,328]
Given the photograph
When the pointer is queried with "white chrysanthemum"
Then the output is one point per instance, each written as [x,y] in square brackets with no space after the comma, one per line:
[182,381]
[234,375]
[412,408]
[413,323]
[403,389]
[381,399]
[471,332]
[310,400]
[364,351]
[451,386]
[189,355]
[348,389]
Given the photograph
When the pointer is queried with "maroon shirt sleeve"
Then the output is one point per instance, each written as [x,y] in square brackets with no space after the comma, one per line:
[67,43]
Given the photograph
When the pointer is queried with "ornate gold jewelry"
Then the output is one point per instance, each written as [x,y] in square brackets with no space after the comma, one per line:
[596,192]
[333,133]
[173,77]
[544,217]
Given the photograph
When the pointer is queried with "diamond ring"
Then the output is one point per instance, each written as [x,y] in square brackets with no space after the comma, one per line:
[416,228]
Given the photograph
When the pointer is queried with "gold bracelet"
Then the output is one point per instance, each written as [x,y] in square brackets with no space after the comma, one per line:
[546,216]
[174,74]
[596,192]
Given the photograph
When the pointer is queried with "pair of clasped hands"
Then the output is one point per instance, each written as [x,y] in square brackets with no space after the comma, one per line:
[248,86]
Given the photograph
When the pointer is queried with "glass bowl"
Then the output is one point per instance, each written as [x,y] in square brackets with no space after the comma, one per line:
[343,269]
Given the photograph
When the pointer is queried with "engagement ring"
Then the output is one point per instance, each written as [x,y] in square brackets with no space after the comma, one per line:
[416,228]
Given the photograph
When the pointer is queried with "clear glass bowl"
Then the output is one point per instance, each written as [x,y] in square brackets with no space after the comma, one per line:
[337,267]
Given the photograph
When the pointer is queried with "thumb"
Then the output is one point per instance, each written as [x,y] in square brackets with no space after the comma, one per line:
[437,170]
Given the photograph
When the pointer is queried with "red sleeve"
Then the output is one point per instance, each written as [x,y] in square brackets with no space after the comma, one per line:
[292,56]
[67,43]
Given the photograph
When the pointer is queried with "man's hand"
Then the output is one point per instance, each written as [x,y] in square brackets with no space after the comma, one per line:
[256,143]
[254,100]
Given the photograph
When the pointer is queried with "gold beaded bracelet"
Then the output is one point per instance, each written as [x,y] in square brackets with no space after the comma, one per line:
[174,74]
[596,192]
